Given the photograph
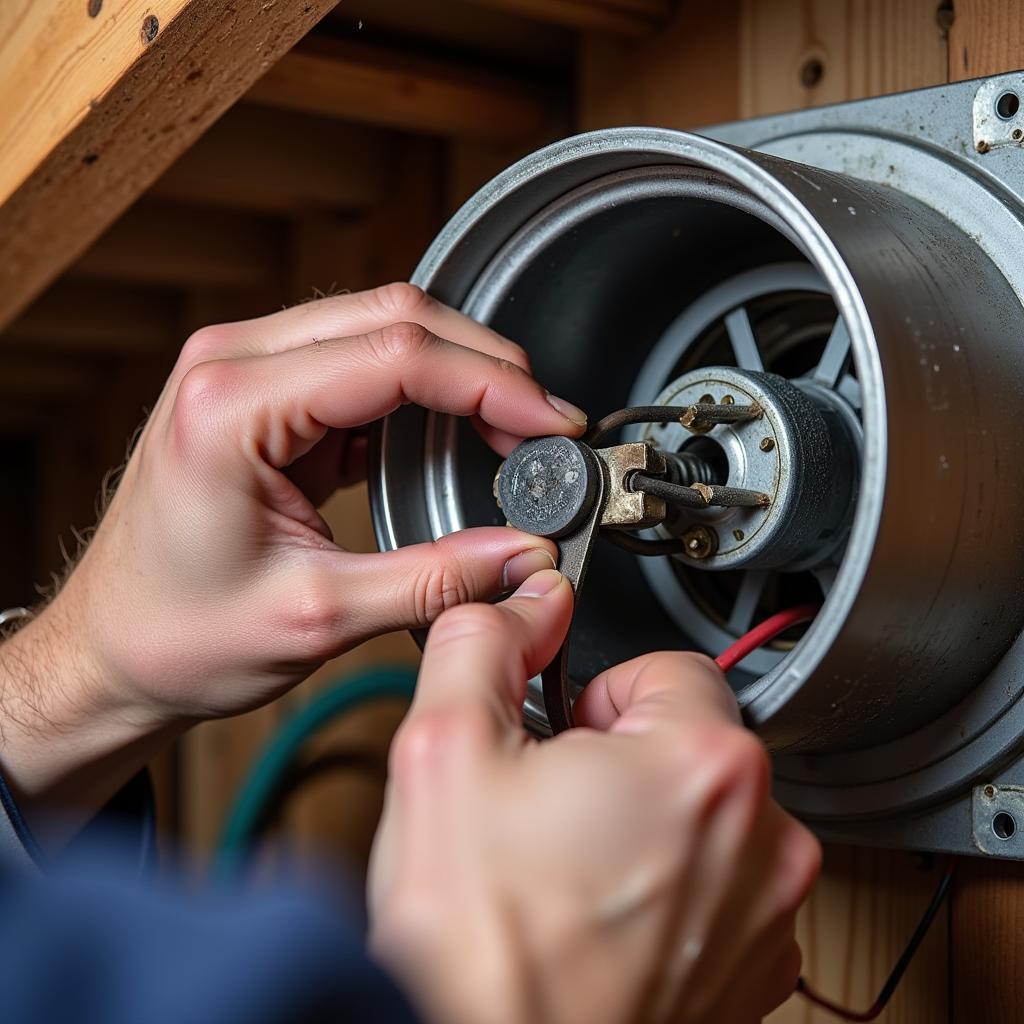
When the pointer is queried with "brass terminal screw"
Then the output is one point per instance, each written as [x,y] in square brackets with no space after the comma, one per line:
[700,542]
[767,444]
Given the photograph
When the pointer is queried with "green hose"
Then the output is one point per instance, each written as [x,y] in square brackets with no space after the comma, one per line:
[258,792]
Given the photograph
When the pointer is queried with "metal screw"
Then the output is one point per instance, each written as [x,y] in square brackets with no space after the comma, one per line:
[728,400]
[699,542]
[738,534]
[982,146]
[767,444]
[150,27]
[989,791]
[1018,134]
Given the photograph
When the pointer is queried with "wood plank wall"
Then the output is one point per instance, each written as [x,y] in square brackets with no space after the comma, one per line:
[751,57]
[256,225]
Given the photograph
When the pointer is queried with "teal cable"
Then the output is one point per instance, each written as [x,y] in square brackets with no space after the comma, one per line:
[257,793]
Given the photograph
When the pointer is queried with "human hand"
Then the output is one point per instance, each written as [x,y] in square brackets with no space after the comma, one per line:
[633,869]
[213,584]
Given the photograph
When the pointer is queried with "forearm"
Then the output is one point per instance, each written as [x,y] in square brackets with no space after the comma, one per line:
[68,742]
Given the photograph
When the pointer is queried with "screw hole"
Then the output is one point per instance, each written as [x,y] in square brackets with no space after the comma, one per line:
[150,28]
[811,73]
[1004,826]
[1007,105]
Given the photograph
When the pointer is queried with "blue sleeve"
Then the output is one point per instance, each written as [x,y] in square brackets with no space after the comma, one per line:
[96,939]
[87,947]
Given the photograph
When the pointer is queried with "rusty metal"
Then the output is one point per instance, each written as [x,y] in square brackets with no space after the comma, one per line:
[574,551]
[625,506]
[701,417]
[700,495]
[699,542]
[608,425]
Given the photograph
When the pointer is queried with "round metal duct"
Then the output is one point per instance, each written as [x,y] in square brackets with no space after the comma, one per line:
[640,265]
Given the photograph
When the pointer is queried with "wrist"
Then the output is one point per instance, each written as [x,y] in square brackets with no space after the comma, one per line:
[68,740]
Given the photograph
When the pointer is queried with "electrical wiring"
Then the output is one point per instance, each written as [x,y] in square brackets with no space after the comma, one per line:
[876,1008]
[277,765]
[264,782]
[764,633]
[757,637]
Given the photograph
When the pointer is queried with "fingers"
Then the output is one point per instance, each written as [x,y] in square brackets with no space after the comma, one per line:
[283,404]
[478,659]
[411,587]
[343,316]
[658,691]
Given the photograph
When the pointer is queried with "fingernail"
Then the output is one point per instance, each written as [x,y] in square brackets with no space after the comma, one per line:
[522,566]
[568,410]
[540,583]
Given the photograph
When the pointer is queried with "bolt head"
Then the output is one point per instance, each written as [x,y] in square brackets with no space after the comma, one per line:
[767,444]
[700,542]
[547,486]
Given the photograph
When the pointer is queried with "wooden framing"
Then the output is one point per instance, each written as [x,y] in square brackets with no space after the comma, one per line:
[93,112]
[302,186]
[338,79]
[614,17]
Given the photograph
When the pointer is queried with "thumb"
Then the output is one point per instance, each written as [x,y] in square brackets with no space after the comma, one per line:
[409,588]
[479,657]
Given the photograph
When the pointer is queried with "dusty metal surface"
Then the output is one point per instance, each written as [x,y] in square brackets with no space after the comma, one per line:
[625,507]
[881,721]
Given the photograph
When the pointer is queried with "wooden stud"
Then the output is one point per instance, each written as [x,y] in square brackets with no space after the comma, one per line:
[853,929]
[612,17]
[166,244]
[337,79]
[282,162]
[97,319]
[684,76]
[985,38]
[93,114]
[806,53]
[987,963]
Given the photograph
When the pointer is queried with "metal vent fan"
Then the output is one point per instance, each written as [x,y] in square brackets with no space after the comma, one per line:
[854,273]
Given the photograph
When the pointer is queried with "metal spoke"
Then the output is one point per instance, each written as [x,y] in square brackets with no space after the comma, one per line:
[747,599]
[826,577]
[833,360]
[741,337]
[849,388]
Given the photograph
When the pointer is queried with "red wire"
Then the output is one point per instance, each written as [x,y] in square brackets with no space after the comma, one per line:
[764,633]
[760,635]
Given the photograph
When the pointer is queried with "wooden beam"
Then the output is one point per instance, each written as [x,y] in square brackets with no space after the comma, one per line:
[96,319]
[169,245]
[456,26]
[335,78]
[93,112]
[282,162]
[684,76]
[985,38]
[612,17]
[808,53]
[48,378]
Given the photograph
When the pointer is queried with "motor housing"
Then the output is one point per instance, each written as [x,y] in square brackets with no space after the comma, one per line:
[861,279]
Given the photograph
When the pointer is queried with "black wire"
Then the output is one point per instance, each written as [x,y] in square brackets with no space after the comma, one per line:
[608,425]
[638,546]
[876,1008]
[674,494]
